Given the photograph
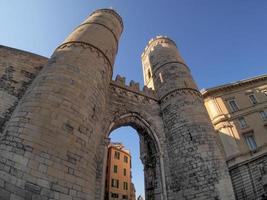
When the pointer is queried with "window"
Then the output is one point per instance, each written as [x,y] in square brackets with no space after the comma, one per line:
[242,122]
[160,77]
[233,105]
[125,185]
[263,115]
[149,73]
[117,155]
[261,168]
[185,84]
[125,159]
[253,99]
[124,196]
[124,172]
[115,183]
[115,170]
[114,195]
[250,141]
[265,188]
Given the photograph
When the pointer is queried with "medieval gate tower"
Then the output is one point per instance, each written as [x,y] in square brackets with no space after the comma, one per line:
[54,140]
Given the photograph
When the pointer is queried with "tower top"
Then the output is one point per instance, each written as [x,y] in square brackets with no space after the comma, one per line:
[111,11]
[154,41]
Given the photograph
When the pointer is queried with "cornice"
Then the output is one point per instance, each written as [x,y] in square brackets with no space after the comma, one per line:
[207,92]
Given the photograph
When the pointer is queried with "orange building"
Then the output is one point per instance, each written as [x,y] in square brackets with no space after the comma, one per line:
[118,179]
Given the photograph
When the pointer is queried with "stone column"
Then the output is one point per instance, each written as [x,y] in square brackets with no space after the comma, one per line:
[195,167]
[106,143]
[49,148]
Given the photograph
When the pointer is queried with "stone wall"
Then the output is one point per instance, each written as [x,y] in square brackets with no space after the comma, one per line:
[250,178]
[17,70]
[131,106]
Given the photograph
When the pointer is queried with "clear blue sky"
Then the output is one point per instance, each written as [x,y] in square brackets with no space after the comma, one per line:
[221,40]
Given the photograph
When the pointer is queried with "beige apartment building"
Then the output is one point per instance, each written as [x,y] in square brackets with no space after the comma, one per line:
[119,184]
[238,112]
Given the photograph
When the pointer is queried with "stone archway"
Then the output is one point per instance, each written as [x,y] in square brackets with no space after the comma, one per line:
[150,154]
[53,145]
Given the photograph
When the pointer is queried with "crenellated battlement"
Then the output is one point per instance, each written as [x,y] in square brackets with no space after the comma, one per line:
[157,40]
[134,87]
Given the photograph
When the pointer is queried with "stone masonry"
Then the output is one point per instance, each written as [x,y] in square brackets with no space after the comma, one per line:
[56,115]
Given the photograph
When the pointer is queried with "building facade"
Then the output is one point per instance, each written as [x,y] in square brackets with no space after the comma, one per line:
[238,112]
[133,192]
[119,184]
[140,198]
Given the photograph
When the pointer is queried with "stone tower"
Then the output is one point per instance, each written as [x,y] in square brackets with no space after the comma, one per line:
[196,166]
[54,133]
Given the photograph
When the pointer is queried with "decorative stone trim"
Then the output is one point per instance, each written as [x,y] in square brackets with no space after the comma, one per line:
[116,39]
[227,87]
[174,62]
[110,11]
[155,41]
[86,45]
[181,91]
[235,115]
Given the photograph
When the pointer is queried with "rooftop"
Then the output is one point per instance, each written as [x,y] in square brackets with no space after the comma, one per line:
[206,92]
[119,146]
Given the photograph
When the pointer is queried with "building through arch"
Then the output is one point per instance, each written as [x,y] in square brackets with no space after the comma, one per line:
[150,153]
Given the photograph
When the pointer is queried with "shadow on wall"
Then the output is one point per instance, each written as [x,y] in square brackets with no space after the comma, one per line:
[249,179]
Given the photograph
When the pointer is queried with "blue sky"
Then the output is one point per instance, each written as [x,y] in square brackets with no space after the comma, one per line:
[221,40]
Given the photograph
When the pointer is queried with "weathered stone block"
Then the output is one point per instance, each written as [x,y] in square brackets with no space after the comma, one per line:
[5,195]
[60,188]
[15,197]
[32,187]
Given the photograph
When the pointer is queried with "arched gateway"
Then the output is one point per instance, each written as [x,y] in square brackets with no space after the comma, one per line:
[55,143]
[151,153]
